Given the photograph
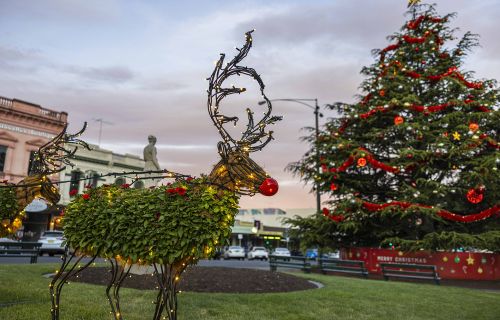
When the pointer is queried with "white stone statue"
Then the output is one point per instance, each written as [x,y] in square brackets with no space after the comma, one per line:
[150,155]
[151,161]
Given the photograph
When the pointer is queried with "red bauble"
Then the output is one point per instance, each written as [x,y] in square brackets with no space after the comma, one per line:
[73,192]
[326,212]
[382,92]
[398,120]
[333,186]
[86,196]
[269,187]
[473,126]
[361,162]
[475,195]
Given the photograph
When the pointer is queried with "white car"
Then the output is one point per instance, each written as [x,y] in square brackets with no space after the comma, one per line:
[52,242]
[281,252]
[258,253]
[234,252]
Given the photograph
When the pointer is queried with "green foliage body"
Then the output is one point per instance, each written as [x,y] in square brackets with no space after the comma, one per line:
[156,225]
[432,167]
[8,210]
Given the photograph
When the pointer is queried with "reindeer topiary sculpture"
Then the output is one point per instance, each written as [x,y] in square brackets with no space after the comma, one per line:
[171,226]
[48,160]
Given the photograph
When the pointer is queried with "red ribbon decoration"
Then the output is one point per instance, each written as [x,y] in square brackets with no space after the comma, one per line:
[336,218]
[369,158]
[409,39]
[414,24]
[442,213]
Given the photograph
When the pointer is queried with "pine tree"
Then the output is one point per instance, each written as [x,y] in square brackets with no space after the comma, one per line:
[414,163]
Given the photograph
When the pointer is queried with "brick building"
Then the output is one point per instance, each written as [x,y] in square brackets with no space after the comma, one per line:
[24,127]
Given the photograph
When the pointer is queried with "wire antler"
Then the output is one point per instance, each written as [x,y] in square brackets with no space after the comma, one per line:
[251,139]
[51,157]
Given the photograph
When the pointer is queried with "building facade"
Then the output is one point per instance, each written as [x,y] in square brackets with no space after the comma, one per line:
[24,127]
[265,227]
[90,168]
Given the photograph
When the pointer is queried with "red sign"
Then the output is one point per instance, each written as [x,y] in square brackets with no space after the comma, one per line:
[450,265]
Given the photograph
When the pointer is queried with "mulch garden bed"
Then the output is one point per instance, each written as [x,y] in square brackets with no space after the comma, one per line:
[208,279]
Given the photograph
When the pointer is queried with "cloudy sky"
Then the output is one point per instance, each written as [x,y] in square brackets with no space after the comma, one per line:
[141,65]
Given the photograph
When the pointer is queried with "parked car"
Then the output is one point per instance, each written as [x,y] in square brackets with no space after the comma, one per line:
[52,242]
[234,252]
[281,252]
[311,253]
[258,253]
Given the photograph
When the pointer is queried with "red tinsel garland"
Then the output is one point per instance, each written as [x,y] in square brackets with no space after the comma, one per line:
[369,158]
[418,108]
[377,164]
[336,218]
[366,99]
[409,39]
[452,72]
[443,213]
[414,24]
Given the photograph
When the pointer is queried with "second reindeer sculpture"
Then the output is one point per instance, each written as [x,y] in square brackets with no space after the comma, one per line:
[48,160]
[172,226]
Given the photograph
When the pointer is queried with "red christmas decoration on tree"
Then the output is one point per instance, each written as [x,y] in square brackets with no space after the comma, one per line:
[361,162]
[473,126]
[475,195]
[398,120]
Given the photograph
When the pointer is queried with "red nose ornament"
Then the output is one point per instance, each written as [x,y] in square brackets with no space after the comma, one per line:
[269,187]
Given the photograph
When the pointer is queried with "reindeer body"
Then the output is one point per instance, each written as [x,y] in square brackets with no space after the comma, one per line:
[172,226]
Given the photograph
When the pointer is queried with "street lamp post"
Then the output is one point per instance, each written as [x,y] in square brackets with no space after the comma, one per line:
[317,114]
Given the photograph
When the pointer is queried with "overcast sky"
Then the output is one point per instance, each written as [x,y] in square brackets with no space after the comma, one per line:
[141,65]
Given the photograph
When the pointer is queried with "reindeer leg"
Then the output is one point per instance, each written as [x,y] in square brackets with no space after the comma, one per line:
[168,290]
[116,288]
[62,277]
[54,311]
[111,283]
[160,302]
[159,305]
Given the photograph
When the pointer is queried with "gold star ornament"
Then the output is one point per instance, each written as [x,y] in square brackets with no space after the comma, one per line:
[456,136]
[470,260]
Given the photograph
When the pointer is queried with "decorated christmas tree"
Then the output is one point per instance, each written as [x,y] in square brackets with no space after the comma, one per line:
[414,162]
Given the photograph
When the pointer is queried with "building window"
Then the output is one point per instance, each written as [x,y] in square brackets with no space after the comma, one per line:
[95,179]
[75,181]
[32,162]
[3,153]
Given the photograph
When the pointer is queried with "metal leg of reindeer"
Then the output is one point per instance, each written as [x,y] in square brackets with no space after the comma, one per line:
[159,305]
[112,281]
[116,287]
[167,281]
[61,277]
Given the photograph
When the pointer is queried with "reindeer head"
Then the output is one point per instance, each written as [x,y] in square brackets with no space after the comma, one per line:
[236,171]
[49,159]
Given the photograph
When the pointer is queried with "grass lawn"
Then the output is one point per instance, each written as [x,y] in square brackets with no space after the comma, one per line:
[24,295]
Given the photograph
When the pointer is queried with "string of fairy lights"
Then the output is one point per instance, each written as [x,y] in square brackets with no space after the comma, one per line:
[133,175]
